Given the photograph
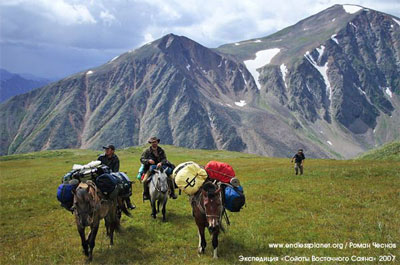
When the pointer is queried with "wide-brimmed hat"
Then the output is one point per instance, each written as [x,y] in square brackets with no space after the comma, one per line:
[110,146]
[152,139]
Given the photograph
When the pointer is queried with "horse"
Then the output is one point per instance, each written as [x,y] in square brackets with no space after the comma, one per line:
[89,208]
[207,210]
[158,189]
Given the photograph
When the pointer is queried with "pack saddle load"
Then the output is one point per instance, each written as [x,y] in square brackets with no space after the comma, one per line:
[189,177]
[233,195]
[110,183]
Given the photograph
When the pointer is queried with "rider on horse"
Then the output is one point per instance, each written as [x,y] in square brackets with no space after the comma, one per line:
[152,158]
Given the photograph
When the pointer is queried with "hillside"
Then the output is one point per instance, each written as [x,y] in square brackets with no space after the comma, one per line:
[389,151]
[328,84]
[334,202]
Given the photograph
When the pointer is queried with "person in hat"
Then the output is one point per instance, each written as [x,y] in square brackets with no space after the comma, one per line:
[298,161]
[152,158]
[109,158]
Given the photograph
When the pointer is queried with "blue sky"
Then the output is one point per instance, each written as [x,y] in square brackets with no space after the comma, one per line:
[56,38]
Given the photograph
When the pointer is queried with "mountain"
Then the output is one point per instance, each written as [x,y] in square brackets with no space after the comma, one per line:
[329,84]
[15,84]
[338,74]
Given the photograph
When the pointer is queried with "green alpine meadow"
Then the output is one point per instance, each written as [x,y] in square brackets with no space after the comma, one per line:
[338,208]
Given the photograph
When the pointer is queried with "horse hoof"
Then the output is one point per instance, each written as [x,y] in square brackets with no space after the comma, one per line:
[154,216]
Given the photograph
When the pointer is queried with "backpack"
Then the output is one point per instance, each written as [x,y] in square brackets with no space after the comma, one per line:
[234,198]
[124,184]
[220,171]
[189,177]
[106,183]
[65,195]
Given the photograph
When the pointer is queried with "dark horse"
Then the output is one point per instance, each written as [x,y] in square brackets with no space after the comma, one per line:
[89,208]
[207,211]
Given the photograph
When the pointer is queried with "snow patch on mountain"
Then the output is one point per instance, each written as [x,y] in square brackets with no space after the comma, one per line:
[388,92]
[333,37]
[115,58]
[263,58]
[323,70]
[395,20]
[188,67]
[284,71]
[329,142]
[241,103]
[257,41]
[352,24]
[89,72]
[362,91]
[320,52]
[237,43]
[351,9]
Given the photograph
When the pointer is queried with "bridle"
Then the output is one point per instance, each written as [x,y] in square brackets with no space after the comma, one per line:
[202,208]
[157,184]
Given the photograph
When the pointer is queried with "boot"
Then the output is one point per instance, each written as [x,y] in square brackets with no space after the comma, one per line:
[172,188]
[146,192]
[129,204]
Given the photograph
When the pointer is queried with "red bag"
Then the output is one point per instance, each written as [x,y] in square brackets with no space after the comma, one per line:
[220,171]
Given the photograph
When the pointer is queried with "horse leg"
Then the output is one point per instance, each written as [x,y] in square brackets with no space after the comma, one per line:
[164,208]
[215,243]
[202,239]
[81,231]
[153,209]
[91,239]
[158,206]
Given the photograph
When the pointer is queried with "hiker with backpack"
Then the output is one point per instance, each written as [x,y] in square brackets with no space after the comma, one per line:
[152,158]
[298,161]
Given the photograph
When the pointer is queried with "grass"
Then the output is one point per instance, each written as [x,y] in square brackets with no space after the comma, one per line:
[333,202]
[390,151]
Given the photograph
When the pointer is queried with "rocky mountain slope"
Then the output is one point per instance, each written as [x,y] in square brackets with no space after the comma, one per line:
[329,84]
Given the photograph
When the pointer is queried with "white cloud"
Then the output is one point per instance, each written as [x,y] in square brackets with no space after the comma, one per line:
[107,17]
[148,38]
[65,13]
[61,11]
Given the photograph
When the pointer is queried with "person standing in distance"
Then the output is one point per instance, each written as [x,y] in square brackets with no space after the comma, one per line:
[298,161]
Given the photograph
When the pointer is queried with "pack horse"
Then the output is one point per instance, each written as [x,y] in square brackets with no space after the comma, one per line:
[89,209]
[207,210]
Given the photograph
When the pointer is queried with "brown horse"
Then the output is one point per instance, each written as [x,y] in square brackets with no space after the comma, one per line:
[89,208]
[207,211]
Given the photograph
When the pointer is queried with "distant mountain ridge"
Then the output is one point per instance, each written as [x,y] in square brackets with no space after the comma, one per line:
[15,84]
[328,84]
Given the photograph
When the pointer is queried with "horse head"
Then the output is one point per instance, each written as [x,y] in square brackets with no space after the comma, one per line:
[161,180]
[212,203]
[84,204]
